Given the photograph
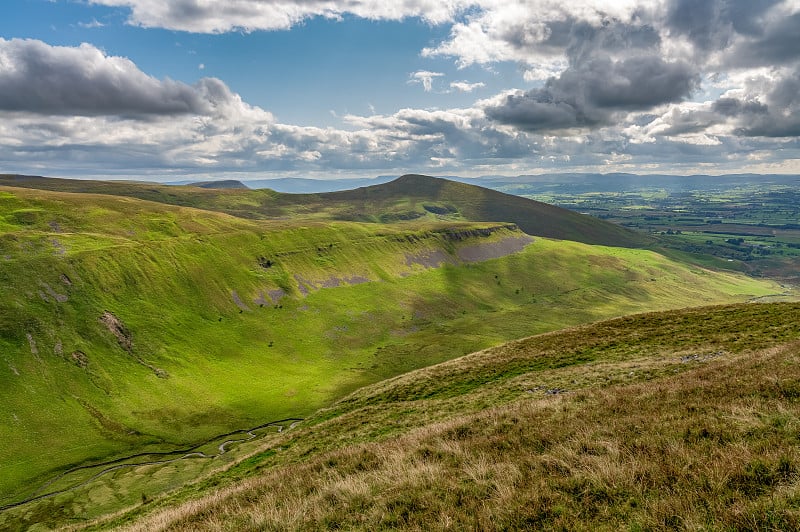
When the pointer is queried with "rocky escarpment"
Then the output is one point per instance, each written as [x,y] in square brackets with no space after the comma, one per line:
[401,254]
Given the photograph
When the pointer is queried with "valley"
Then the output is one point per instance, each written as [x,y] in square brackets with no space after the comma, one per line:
[148,320]
[300,265]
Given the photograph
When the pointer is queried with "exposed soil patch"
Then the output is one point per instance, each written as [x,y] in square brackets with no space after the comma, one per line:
[120,332]
[58,247]
[432,258]
[125,341]
[61,298]
[79,358]
[303,285]
[273,295]
[332,282]
[276,295]
[493,250]
[32,343]
[238,301]
[65,279]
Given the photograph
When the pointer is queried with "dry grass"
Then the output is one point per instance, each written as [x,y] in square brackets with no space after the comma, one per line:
[711,447]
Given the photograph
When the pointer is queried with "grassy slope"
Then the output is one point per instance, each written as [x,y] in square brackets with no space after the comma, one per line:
[684,419]
[412,193]
[403,199]
[168,274]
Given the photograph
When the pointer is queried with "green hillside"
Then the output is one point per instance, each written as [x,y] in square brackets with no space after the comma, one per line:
[416,194]
[677,420]
[411,197]
[131,326]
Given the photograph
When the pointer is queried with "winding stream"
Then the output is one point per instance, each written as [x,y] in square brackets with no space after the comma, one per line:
[117,464]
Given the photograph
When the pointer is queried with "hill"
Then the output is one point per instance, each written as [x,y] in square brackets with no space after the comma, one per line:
[225,183]
[685,419]
[298,185]
[410,197]
[135,328]
[415,195]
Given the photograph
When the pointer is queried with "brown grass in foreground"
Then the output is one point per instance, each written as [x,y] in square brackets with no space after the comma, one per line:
[714,447]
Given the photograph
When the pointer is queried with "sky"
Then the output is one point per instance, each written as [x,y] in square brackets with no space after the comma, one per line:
[246,89]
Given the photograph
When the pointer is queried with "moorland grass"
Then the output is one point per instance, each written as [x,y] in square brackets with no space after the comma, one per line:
[679,420]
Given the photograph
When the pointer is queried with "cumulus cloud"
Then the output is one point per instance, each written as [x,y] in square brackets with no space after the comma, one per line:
[542,34]
[465,86]
[425,78]
[640,84]
[39,78]
[776,42]
[203,16]
[775,113]
[589,94]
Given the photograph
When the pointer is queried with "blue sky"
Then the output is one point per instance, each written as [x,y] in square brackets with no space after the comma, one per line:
[155,89]
[300,75]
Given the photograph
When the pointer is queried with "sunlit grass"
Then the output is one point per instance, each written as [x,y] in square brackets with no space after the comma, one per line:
[71,395]
[685,419]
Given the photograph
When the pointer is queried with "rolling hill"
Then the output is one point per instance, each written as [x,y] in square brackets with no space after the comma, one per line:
[136,327]
[441,196]
[225,183]
[683,419]
[410,197]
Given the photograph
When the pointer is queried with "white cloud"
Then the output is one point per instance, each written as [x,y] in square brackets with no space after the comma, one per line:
[204,16]
[94,23]
[614,83]
[465,86]
[534,33]
[36,77]
[425,78]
